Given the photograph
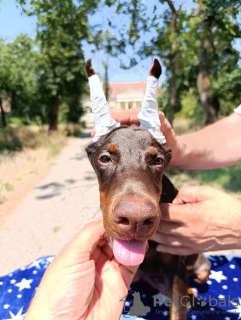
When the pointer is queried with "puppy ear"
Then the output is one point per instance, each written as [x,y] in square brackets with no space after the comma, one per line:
[91,151]
[168,155]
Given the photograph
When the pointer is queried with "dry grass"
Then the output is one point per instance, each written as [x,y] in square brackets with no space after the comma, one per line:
[33,137]
[182,126]
[23,146]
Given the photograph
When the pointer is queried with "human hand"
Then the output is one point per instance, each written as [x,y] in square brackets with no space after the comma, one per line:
[84,281]
[130,117]
[200,219]
[127,117]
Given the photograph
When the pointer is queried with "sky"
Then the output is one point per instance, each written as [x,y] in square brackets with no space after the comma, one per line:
[12,23]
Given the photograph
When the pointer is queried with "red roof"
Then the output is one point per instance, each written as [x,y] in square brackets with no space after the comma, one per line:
[119,88]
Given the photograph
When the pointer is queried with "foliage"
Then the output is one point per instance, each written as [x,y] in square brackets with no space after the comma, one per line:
[17,76]
[191,107]
[226,178]
[150,34]
[61,28]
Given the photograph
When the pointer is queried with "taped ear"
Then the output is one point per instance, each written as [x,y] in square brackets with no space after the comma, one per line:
[148,116]
[100,109]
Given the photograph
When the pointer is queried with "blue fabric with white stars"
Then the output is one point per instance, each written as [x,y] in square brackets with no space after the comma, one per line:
[223,287]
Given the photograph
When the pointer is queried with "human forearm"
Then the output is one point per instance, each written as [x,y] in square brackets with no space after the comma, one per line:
[216,146]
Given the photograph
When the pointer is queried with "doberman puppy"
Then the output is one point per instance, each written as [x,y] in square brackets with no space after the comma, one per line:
[129,163]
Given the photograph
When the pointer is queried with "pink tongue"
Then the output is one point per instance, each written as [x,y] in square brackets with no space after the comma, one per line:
[129,253]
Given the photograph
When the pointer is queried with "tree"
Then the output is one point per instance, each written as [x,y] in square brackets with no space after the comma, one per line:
[17,76]
[188,43]
[62,26]
[215,17]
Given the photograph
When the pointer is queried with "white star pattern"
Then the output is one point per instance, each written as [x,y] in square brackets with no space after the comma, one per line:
[24,284]
[18,316]
[238,308]
[50,259]
[218,276]
[229,257]
[226,276]
[211,258]
[35,264]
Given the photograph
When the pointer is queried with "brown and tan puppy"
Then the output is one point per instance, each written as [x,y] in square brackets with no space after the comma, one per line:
[129,163]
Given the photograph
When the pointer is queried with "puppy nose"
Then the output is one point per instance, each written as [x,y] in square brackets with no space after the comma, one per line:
[135,216]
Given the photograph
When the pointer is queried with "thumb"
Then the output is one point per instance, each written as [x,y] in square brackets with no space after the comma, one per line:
[175,214]
[80,248]
[93,132]
[192,194]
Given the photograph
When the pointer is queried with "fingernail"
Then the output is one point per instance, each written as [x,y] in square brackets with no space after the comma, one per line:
[158,248]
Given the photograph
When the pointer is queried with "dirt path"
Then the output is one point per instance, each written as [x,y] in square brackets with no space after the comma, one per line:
[58,207]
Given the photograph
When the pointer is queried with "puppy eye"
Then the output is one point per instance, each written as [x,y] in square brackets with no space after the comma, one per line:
[105,159]
[158,161]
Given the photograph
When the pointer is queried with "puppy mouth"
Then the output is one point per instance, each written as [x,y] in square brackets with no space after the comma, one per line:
[129,252]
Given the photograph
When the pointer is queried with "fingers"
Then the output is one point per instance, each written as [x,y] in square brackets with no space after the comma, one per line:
[81,247]
[176,213]
[93,132]
[162,118]
[192,194]
[181,250]
[128,273]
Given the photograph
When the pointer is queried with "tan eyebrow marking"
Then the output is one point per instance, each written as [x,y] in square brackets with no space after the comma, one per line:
[152,151]
[112,148]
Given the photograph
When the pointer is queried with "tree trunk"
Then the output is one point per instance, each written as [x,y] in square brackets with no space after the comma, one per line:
[172,92]
[53,114]
[203,80]
[3,116]
[172,58]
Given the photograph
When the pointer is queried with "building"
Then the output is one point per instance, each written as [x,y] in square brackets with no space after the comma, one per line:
[123,96]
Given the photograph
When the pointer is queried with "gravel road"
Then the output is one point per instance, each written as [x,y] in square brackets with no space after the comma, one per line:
[58,207]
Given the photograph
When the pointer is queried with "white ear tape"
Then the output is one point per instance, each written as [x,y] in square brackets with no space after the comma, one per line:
[103,120]
[148,116]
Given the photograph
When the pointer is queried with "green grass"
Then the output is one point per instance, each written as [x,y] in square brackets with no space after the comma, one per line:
[8,186]
[226,178]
